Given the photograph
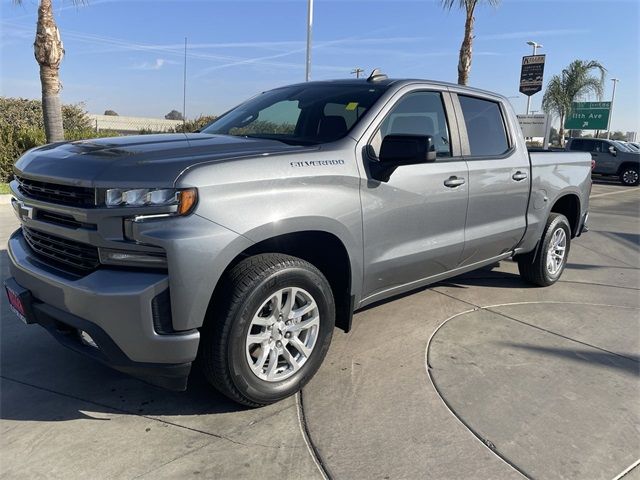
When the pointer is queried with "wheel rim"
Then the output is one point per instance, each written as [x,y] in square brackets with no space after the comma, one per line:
[556,251]
[282,334]
[630,176]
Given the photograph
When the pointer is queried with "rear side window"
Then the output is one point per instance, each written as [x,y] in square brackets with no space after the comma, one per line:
[577,144]
[485,126]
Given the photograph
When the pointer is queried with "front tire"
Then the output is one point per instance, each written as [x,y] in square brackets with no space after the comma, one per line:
[270,331]
[551,259]
[629,176]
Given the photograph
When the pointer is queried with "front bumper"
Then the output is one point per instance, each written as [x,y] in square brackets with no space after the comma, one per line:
[114,307]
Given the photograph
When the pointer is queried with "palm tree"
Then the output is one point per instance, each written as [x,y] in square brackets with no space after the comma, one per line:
[49,51]
[464,63]
[574,83]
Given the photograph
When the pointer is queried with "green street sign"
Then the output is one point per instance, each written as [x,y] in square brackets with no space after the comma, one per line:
[588,116]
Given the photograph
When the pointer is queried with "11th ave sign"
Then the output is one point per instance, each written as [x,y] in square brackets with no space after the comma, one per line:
[588,116]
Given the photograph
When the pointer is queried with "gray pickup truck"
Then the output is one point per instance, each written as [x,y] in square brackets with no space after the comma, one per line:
[610,158]
[241,247]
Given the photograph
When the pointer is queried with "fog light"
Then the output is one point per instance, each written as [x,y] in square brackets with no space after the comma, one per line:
[86,339]
[130,258]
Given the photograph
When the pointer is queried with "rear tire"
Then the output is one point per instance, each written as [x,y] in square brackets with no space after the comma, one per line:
[270,331]
[629,176]
[551,259]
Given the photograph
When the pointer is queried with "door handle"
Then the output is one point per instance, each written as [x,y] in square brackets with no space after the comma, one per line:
[519,176]
[453,182]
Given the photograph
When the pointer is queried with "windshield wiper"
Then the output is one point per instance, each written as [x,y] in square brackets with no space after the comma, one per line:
[288,141]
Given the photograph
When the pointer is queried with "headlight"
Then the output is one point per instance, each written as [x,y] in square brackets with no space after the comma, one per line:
[184,199]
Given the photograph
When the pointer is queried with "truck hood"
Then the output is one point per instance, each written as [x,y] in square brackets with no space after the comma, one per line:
[149,160]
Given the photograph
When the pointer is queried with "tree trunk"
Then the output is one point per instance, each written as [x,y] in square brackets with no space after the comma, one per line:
[464,63]
[561,131]
[48,50]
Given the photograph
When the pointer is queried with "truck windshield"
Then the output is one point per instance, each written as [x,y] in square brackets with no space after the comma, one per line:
[300,114]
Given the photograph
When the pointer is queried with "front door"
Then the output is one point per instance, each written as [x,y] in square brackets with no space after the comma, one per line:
[606,162]
[414,223]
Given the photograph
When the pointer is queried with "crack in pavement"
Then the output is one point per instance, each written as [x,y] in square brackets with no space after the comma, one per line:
[635,267]
[314,452]
[171,461]
[489,308]
[156,419]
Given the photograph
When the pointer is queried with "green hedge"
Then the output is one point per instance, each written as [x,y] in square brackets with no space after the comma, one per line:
[22,128]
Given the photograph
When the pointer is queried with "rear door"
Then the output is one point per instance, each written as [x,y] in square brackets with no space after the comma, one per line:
[498,178]
[414,223]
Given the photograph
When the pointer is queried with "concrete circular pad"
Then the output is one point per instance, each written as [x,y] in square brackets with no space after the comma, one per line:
[545,378]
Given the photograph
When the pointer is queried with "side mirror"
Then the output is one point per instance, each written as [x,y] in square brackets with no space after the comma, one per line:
[407,149]
[612,150]
[400,150]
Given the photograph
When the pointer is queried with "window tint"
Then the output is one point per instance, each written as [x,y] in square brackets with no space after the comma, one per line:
[485,126]
[419,113]
[577,144]
[279,118]
[300,114]
[350,111]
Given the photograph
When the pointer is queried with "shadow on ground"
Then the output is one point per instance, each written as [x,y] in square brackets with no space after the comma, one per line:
[625,362]
[30,357]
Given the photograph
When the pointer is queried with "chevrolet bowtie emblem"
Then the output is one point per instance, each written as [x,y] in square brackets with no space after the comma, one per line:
[21,210]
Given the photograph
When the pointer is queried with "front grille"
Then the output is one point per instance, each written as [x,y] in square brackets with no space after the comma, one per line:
[61,219]
[82,197]
[66,254]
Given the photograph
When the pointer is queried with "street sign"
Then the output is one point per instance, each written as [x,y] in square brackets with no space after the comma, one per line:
[531,74]
[588,116]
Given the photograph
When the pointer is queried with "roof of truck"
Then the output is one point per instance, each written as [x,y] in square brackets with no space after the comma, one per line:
[397,81]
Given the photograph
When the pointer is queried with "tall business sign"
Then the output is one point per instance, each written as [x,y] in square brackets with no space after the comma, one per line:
[531,74]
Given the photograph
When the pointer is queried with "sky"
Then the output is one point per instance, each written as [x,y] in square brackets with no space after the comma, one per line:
[127,55]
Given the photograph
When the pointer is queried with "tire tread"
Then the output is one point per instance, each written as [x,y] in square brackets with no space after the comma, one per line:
[534,270]
[237,284]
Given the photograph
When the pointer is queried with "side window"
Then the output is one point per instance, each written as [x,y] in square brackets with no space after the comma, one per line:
[418,113]
[485,126]
[578,144]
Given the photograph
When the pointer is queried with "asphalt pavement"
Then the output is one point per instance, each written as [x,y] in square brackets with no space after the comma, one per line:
[482,377]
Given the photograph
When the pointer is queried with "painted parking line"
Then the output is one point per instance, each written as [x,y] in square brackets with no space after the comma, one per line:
[617,192]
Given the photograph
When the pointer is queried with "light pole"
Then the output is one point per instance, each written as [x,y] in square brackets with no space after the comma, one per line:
[535,46]
[309,26]
[613,97]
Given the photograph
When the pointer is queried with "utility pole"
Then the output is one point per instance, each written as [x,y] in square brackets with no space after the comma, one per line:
[309,28]
[184,88]
[357,71]
[535,50]
[613,97]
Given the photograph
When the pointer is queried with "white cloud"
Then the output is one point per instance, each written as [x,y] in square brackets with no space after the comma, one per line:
[156,65]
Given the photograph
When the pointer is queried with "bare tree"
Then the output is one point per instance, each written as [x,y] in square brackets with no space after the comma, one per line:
[49,51]
[466,49]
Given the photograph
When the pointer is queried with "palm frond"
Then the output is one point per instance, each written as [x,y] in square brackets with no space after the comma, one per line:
[574,83]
